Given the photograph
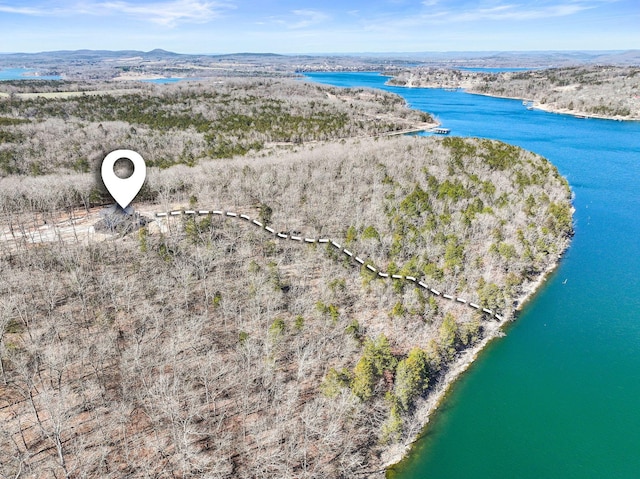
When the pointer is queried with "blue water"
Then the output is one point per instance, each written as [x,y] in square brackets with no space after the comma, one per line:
[167,80]
[558,396]
[24,74]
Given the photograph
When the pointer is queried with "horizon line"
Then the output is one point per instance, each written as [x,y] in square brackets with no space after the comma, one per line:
[421,52]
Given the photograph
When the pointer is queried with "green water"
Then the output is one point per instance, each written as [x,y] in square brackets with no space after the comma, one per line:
[558,396]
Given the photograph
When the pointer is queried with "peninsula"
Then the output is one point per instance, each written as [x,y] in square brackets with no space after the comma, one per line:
[227,339]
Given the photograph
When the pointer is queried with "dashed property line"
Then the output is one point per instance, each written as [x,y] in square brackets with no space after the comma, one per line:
[295,236]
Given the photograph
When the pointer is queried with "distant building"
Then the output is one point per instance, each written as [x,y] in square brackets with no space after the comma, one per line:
[114,219]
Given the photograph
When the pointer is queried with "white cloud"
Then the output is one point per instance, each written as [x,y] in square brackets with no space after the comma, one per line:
[520,12]
[32,11]
[307,18]
[436,13]
[166,13]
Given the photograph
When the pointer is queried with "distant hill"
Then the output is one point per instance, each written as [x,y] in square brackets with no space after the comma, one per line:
[155,54]
[477,59]
[92,54]
[524,59]
[128,65]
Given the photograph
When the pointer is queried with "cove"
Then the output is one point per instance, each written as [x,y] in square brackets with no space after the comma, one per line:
[558,396]
[24,74]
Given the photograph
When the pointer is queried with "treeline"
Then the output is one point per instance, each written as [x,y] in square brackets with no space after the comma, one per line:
[203,346]
[183,124]
[598,90]
[61,86]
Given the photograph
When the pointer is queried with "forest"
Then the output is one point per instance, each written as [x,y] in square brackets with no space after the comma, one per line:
[181,124]
[207,346]
[593,91]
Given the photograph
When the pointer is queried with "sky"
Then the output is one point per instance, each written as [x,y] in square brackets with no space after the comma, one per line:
[329,26]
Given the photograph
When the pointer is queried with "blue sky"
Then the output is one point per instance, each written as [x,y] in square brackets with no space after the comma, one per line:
[340,26]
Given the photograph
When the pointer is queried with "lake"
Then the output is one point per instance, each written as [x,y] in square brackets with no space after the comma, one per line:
[162,81]
[558,396]
[24,74]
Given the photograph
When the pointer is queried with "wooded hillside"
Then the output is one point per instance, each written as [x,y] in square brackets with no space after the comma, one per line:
[206,346]
[185,123]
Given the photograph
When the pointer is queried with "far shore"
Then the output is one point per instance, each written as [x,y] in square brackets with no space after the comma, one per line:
[138,77]
[560,111]
[536,104]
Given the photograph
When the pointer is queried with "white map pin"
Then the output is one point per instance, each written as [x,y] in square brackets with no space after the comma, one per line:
[123,190]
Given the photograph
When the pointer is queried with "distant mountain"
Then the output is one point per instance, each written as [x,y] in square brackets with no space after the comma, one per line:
[157,52]
[550,58]
[91,54]
[629,57]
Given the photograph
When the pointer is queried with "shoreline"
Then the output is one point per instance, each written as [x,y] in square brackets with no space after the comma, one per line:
[593,116]
[536,104]
[138,77]
[397,453]
[557,110]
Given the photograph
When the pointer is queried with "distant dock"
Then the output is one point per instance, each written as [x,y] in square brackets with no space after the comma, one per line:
[412,131]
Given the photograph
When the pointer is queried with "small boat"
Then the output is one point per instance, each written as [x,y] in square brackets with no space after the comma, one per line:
[441,131]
